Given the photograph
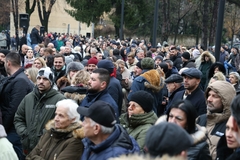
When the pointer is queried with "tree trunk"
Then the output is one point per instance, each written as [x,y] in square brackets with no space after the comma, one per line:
[165,23]
[205,25]
[29,9]
[213,23]
[15,18]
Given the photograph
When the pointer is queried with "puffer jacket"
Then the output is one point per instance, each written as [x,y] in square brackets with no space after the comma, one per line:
[33,113]
[59,144]
[138,125]
[152,81]
[118,143]
[216,122]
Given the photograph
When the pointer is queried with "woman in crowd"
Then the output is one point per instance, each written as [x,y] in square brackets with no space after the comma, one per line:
[39,63]
[62,139]
[184,114]
[32,73]
[29,59]
[78,89]
[140,116]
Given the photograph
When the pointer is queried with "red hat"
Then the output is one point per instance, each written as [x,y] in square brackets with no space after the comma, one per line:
[93,60]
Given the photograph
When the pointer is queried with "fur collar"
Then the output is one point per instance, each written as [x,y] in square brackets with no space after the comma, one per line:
[212,58]
[155,80]
[200,135]
[75,128]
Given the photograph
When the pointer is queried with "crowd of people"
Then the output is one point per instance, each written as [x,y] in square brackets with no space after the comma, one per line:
[65,96]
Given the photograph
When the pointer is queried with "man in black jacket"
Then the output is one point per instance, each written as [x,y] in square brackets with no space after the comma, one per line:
[35,36]
[13,91]
[175,56]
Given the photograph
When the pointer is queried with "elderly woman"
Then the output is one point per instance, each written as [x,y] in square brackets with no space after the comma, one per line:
[140,116]
[183,113]
[62,139]
[234,79]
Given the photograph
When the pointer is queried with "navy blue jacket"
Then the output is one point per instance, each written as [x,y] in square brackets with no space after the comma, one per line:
[35,37]
[196,98]
[115,90]
[118,143]
[104,96]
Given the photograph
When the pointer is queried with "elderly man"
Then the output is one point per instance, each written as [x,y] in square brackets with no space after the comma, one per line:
[191,80]
[104,138]
[36,109]
[174,84]
[65,132]
[219,96]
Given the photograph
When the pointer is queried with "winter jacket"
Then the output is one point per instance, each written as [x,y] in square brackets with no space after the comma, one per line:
[189,64]
[58,74]
[196,98]
[104,96]
[115,90]
[235,155]
[216,122]
[200,149]
[118,143]
[177,61]
[35,37]
[138,125]
[75,93]
[3,40]
[204,68]
[14,90]
[33,113]
[151,81]
[59,144]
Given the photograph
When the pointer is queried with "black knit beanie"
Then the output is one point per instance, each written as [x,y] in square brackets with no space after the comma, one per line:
[144,99]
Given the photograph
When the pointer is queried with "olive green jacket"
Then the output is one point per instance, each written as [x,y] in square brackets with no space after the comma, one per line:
[138,125]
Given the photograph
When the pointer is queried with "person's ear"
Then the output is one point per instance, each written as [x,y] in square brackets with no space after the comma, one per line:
[97,129]
[103,85]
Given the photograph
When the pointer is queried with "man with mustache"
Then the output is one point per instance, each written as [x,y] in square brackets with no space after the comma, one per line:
[36,109]
[3,54]
[219,96]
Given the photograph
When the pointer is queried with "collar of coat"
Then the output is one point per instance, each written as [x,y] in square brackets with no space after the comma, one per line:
[75,128]
[154,80]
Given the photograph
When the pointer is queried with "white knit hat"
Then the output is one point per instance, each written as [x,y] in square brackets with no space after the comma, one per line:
[46,72]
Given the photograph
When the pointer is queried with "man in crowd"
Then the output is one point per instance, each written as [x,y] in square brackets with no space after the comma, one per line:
[131,61]
[174,84]
[36,109]
[98,84]
[3,40]
[175,56]
[151,80]
[13,91]
[59,67]
[104,138]
[191,80]
[92,64]
[3,54]
[35,36]
[114,88]
[219,96]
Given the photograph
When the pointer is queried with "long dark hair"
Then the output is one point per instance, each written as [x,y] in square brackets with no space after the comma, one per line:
[191,112]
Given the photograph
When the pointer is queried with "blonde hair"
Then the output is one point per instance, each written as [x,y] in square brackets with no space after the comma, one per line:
[81,78]
[42,61]
[32,72]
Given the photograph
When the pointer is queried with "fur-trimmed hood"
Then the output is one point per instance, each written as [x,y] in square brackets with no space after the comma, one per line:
[206,53]
[155,79]
[63,82]
[75,128]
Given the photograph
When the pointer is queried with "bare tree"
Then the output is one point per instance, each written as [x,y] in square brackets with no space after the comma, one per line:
[14,9]
[44,11]
[30,8]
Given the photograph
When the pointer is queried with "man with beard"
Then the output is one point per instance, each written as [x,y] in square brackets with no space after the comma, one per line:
[3,54]
[98,85]
[175,56]
[13,90]
[59,67]
[191,80]
[219,96]
[36,109]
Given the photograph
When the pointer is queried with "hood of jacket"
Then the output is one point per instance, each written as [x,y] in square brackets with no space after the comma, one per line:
[75,128]
[226,92]
[206,53]
[139,119]
[155,80]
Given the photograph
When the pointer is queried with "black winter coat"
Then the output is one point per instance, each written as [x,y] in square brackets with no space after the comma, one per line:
[35,37]
[15,88]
